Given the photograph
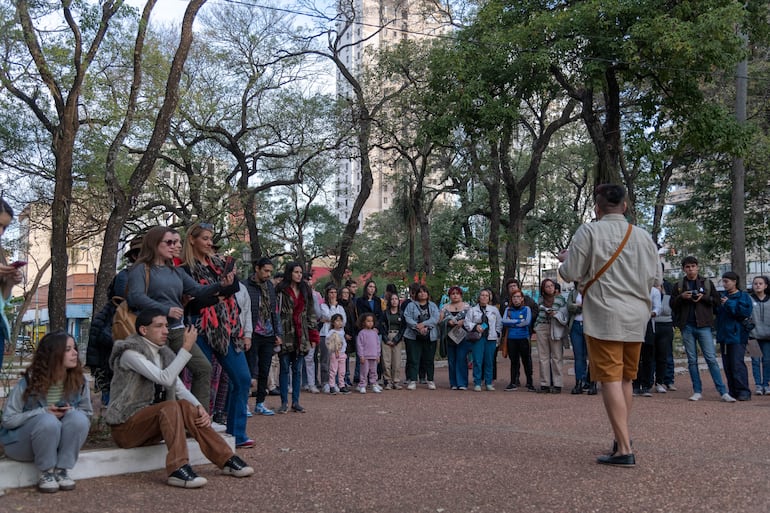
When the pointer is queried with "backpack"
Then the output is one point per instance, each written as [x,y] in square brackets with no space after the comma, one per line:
[123,322]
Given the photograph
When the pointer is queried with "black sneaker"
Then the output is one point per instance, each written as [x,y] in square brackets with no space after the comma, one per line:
[345,391]
[510,387]
[274,391]
[185,477]
[296,408]
[531,388]
[236,467]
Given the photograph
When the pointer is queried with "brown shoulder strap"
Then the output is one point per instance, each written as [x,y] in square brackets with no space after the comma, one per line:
[609,262]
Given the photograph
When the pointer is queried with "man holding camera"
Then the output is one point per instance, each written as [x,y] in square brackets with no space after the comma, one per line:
[693,301]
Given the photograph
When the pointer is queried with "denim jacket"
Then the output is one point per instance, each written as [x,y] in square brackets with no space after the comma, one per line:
[17,411]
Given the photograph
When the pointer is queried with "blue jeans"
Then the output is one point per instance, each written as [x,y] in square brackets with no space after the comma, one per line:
[237,369]
[703,337]
[290,362]
[483,358]
[580,350]
[760,367]
[457,359]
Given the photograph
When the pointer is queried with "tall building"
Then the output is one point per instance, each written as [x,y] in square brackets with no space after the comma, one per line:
[377,24]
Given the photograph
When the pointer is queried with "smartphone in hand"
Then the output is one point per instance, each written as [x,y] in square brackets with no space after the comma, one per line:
[18,264]
[229,265]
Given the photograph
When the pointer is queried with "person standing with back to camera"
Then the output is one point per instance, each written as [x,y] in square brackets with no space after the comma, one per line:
[615,265]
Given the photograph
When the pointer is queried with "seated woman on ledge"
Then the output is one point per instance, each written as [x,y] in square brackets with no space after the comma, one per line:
[46,415]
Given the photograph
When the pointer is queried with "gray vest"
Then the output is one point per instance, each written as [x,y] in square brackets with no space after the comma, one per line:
[129,390]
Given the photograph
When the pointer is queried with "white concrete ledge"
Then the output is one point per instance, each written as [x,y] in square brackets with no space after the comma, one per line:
[103,462]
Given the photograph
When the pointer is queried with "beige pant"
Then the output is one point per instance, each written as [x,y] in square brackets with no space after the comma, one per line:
[391,362]
[550,353]
[272,377]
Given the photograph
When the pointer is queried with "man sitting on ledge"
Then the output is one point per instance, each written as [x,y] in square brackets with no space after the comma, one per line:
[149,403]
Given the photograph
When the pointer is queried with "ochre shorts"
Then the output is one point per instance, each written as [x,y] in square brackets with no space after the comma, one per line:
[612,361]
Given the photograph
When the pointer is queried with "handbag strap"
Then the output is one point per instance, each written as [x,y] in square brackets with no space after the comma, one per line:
[610,261]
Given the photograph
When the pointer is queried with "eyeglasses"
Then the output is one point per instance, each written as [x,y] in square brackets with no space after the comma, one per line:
[172,242]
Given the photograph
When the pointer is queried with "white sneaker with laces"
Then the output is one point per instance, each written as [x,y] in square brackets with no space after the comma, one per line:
[314,390]
[376,389]
[412,385]
[47,482]
[759,391]
[661,389]
[728,398]
[431,385]
[327,389]
[696,396]
[362,390]
[66,483]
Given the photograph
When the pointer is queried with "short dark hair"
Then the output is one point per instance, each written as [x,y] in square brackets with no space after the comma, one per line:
[348,283]
[145,317]
[689,260]
[262,262]
[334,318]
[730,275]
[609,195]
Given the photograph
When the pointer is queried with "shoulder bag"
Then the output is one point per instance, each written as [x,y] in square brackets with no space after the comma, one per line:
[609,262]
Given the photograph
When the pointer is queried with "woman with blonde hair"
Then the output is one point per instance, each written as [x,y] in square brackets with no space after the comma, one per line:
[221,333]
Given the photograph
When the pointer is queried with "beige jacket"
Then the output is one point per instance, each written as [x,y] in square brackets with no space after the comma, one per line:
[617,306]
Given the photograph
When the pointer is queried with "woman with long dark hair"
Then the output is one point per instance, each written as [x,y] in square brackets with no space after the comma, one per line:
[220,332]
[298,318]
[46,416]
[421,334]
[155,283]
[550,324]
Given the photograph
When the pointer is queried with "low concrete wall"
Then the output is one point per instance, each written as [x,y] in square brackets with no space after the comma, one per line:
[103,462]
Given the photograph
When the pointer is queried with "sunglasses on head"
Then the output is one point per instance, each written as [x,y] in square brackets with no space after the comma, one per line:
[206,226]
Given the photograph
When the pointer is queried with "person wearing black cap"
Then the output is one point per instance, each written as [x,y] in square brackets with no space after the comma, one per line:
[733,318]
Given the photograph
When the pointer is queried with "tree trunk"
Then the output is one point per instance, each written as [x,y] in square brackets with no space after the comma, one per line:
[367,180]
[738,172]
[123,200]
[60,215]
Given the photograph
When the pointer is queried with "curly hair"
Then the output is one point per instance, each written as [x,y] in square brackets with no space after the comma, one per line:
[361,324]
[47,367]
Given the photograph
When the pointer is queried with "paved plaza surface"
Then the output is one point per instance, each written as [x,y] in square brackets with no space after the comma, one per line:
[450,452]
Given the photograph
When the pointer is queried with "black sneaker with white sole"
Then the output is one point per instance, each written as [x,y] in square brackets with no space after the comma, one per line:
[185,477]
[236,467]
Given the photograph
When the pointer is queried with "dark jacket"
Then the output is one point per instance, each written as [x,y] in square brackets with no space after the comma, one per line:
[275,319]
[730,329]
[385,326]
[704,309]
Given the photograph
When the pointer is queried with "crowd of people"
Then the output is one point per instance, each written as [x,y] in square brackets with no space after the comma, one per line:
[205,343]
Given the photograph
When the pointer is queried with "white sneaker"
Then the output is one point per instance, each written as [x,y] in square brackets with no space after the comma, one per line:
[66,483]
[47,482]
[431,385]
[412,385]
[314,390]
[661,389]
[671,387]
[728,398]
[362,390]
[219,428]
[327,389]
[477,388]
[759,391]
[336,390]
[376,389]
[696,396]
[490,388]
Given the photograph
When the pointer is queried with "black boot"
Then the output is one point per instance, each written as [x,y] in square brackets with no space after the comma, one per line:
[578,389]
[592,388]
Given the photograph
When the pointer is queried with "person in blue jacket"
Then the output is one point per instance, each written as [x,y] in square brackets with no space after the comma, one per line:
[733,335]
